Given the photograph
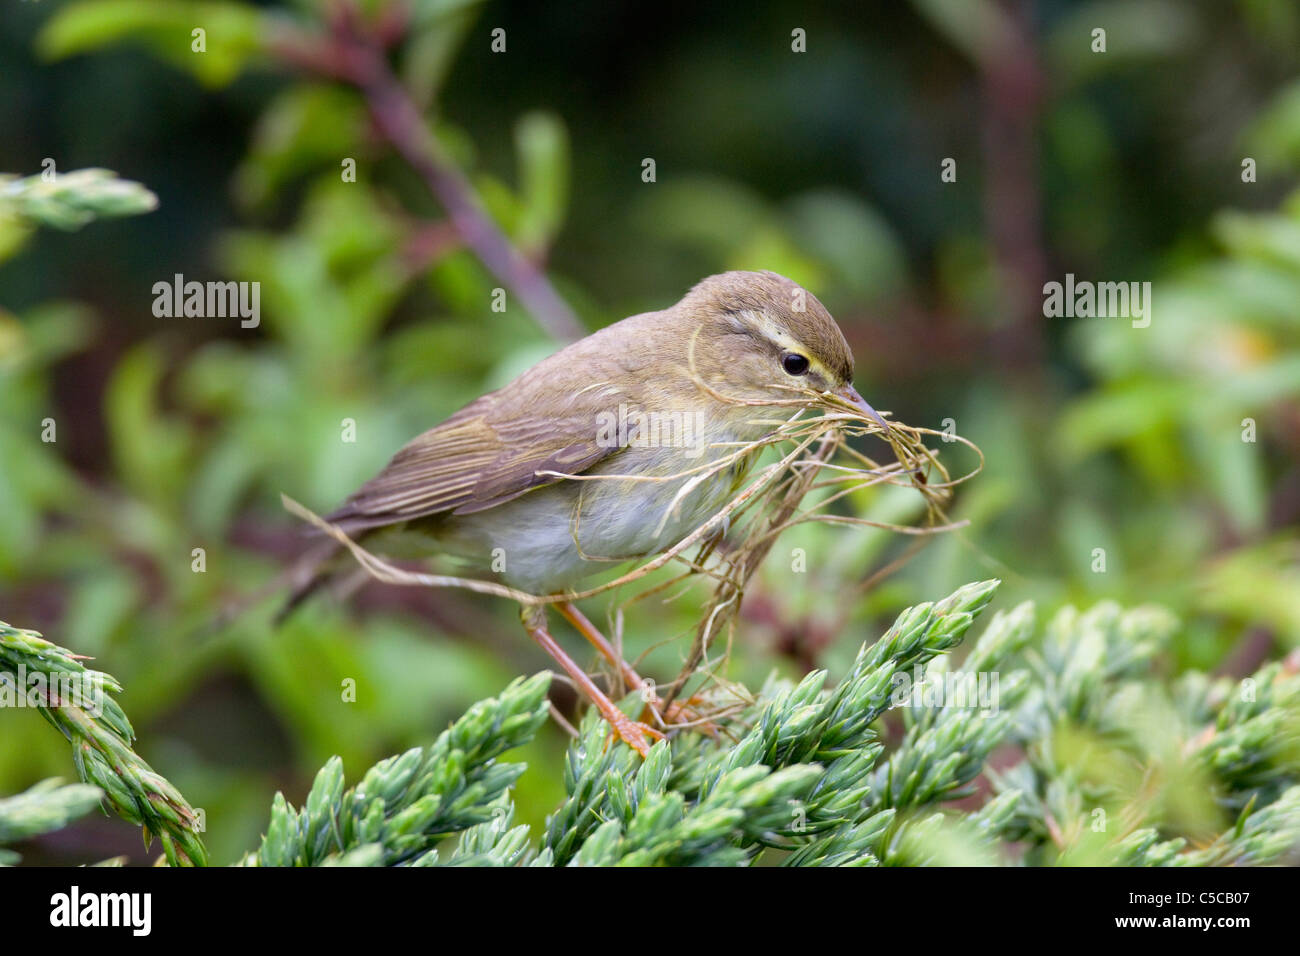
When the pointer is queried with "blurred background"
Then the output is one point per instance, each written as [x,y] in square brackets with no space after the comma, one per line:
[1175,449]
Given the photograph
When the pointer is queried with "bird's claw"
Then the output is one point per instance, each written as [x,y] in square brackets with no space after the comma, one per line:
[634,733]
[679,714]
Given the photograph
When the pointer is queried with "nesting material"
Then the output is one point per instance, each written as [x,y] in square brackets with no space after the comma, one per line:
[814,455]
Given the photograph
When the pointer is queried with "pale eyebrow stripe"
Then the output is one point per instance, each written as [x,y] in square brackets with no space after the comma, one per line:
[769,330]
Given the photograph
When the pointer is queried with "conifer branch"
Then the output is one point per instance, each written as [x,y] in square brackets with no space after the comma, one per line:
[77,701]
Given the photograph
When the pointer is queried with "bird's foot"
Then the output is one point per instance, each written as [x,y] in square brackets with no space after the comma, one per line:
[679,715]
[632,732]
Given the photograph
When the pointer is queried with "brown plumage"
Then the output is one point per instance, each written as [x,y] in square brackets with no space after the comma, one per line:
[477,485]
[492,449]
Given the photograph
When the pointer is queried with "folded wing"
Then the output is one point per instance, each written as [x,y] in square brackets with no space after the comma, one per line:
[470,462]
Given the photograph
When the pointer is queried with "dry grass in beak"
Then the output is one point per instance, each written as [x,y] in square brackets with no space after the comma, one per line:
[827,462]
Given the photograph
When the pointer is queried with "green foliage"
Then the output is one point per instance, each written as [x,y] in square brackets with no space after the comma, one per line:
[404,805]
[65,201]
[1114,766]
[810,776]
[233,33]
[48,806]
[176,435]
[76,700]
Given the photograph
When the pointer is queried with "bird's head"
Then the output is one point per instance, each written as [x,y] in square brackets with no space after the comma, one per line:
[762,336]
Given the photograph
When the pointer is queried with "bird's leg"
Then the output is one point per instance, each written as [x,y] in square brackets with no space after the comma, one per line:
[628,730]
[677,713]
[631,679]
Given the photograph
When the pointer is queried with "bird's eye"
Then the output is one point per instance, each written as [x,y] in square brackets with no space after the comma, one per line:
[794,363]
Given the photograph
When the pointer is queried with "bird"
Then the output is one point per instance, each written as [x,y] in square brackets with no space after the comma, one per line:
[587,458]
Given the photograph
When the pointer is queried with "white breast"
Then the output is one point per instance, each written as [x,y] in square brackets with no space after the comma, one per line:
[544,543]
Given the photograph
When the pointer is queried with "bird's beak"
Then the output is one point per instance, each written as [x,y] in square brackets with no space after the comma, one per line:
[850,395]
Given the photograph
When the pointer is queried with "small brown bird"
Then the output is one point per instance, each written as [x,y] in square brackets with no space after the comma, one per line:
[650,397]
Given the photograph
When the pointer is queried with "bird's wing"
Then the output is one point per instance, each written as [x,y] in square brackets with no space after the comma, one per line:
[478,459]
[547,419]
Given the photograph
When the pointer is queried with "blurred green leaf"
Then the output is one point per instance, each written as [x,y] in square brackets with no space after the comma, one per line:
[1269,238]
[1127,412]
[543,148]
[853,240]
[305,128]
[233,33]
[69,201]
[439,29]
[1258,585]
[979,28]
[151,449]
[1136,30]
[1273,137]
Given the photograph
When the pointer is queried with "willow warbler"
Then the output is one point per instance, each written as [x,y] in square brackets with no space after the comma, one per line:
[657,395]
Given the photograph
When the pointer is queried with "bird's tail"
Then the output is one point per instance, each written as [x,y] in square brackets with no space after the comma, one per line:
[304,577]
[303,586]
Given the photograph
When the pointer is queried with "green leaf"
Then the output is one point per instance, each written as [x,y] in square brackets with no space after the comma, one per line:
[69,201]
[232,33]
[543,148]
